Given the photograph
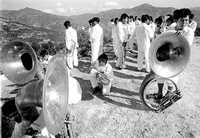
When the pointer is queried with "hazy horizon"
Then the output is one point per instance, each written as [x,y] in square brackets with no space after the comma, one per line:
[76,7]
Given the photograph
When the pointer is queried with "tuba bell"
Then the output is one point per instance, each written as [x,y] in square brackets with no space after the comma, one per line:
[55,94]
[60,90]
[18,62]
[169,54]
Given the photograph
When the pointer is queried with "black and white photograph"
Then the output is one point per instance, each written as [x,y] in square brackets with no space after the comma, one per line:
[100,68]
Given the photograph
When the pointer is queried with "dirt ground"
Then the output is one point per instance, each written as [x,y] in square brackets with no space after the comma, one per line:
[123,115]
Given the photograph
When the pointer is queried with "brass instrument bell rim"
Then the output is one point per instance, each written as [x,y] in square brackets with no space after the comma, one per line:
[174,66]
[54,126]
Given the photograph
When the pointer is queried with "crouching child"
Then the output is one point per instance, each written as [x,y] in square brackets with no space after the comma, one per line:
[101,75]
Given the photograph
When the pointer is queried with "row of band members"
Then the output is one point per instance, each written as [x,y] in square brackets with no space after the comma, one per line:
[102,73]
[126,32]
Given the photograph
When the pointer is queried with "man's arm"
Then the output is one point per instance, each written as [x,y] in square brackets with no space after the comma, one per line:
[150,32]
[67,40]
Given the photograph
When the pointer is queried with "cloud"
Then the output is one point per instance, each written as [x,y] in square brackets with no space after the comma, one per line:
[48,10]
[59,4]
[111,3]
[61,10]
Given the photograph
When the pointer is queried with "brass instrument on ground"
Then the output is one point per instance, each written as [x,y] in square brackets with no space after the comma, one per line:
[168,55]
[18,62]
[20,65]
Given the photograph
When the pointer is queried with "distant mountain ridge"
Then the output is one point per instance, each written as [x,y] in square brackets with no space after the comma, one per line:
[38,18]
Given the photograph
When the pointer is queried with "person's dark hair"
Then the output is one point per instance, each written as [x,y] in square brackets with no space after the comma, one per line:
[112,20]
[191,16]
[116,20]
[67,24]
[144,18]
[170,19]
[103,58]
[90,21]
[182,13]
[43,53]
[151,18]
[124,16]
[136,17]
[96,19]
[159,20]
[131,17]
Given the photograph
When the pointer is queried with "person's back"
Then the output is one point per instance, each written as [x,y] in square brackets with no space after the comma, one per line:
[122,32]
[141,35]
[73,34]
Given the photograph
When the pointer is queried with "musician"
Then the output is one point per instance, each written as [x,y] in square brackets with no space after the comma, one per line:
[91,25]
[137,21]
[101,75]
[71,45]
[182,18]
[131,25]
[152,24]
[143,34]
[131,29]
[158,29]
[115,38]
[170,24]
[192,23]
[96,40]
[122,34]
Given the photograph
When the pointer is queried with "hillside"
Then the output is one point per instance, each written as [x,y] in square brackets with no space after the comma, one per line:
[38,18]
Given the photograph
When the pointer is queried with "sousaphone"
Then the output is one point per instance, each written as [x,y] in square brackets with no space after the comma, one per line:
[169,54]
[55,94]
[18,62]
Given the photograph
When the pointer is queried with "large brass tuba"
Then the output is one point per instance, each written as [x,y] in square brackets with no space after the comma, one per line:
[18,62]
[60,90]
[169,54]
[55,93]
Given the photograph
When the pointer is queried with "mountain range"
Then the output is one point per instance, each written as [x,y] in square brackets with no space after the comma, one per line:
[38,18]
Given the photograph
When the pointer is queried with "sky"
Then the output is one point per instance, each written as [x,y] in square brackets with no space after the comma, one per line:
[75,7]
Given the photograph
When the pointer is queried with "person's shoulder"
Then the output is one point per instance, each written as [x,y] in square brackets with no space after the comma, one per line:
[108,65]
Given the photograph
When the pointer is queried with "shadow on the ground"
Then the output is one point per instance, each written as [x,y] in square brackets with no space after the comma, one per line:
[133,103]
[128,67]
[86,89]
[132,68]
[123,91]
[131,55]
[126,76]
[130,60]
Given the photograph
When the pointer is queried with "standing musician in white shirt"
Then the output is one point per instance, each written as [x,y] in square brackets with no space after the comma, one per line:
[96,40]
[115,38]
[71,45]
[122,34]
[131,29]
[182,18]
[192,24]
[143,34]
[91,25]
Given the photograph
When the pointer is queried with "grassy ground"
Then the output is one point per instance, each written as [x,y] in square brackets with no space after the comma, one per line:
[123,115]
